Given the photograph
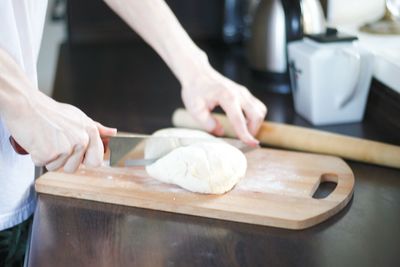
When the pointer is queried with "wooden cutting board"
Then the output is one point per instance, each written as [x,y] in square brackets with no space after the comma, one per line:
[277,190]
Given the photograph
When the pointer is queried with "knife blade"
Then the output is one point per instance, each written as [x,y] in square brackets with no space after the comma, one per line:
[128,150]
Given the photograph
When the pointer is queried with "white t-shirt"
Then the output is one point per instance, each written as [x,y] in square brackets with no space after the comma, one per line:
[21,27]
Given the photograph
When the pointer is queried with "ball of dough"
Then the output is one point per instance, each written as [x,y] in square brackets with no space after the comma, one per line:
[203,165]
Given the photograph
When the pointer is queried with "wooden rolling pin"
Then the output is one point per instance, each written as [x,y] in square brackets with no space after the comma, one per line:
[303,139]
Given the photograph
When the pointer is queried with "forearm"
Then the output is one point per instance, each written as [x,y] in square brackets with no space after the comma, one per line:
[54,134]
[203,88]
[157,25]
[15,87]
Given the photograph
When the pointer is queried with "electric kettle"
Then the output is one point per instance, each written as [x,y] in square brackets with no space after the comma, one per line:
[275,23]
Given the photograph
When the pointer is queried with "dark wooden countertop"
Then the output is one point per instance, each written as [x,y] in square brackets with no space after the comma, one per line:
[127,86]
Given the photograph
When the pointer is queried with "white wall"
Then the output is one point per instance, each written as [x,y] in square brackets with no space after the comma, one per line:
[54,33]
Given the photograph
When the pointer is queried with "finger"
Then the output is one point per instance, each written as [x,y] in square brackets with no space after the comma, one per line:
[255,116]
[95,150]
[57,163]
[105,131]
[203,116]
[219,129]
[73,162]
[261,106]
[58,159]
[234,112]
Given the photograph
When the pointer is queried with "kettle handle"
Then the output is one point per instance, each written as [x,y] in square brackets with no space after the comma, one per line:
[354,60]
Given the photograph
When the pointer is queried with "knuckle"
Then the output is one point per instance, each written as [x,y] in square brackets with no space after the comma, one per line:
[245,91]
[92,129]
[263,108]
[259,115]
[64,146]
[196,108]
[229,96]
[83,141]
[64,150]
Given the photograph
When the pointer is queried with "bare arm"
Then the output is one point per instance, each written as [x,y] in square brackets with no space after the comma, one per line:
[12,82]
[156,24]
[55,134]
[202,87]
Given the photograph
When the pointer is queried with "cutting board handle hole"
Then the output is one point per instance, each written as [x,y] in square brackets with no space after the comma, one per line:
[325,186]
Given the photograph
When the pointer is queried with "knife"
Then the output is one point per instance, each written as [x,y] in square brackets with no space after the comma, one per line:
[128,150]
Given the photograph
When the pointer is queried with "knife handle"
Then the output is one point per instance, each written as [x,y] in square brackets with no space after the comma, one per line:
[21,151]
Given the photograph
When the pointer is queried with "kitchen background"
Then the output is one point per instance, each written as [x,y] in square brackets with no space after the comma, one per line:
[92,21]
[228,21]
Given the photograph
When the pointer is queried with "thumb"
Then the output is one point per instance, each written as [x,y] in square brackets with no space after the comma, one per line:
[106,131]
[208,122]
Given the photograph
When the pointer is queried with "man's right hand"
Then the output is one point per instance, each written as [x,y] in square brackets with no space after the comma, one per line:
[55,134]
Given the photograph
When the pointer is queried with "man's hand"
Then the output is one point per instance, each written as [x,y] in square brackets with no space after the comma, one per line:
[57,135]
[211,89]
[54,134]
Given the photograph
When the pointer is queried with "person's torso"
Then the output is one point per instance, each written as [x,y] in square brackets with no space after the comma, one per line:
[21,26]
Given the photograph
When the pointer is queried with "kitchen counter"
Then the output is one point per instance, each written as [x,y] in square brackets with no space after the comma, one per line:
[128,86]
[386,49]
